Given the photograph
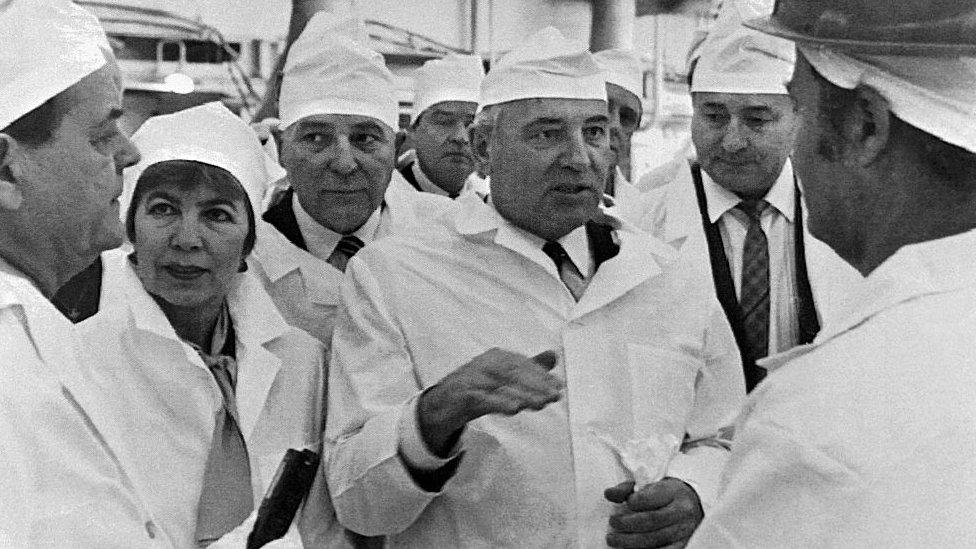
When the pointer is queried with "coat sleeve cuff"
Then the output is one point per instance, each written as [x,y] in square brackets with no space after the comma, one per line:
[413,449]
[701,468]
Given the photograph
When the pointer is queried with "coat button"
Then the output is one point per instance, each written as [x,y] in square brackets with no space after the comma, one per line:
[151,529]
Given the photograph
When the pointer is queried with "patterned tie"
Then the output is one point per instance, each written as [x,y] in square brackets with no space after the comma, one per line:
[346,248]
[568,273]
[754,292]
[227,497]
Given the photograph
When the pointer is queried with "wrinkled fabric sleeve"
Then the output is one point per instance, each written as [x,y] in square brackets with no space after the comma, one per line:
[776,490]
[372,385]
[719,393]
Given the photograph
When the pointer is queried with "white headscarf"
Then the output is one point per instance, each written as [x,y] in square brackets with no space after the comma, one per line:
[46,46]
[452,78]
[331,70]
[547,64]
[624,68]
[211,134]
[935,94]
[734,59]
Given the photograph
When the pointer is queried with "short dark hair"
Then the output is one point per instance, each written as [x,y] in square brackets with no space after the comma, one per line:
[188,174]
[949,163]
[38,126]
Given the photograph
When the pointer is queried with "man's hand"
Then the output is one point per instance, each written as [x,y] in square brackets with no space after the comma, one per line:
[494,382]
[662,514]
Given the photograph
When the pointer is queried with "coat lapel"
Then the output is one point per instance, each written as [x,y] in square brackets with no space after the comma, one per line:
[257,323]
[278,257]
[640,258]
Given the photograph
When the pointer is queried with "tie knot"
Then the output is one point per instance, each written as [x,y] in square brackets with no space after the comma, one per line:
[349,245]
[753,208]
[555,251]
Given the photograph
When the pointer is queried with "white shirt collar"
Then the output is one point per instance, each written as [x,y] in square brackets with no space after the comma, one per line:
[426,185]
[780,196]
[322,241]
[576,243]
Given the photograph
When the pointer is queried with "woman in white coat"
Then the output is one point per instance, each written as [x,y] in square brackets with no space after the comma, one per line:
[216,386]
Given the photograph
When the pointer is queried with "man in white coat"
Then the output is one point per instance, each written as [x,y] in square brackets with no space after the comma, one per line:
[867,438]
[61,160]
[445,99]
[338,112]
[737,214]
[445,433]
[623,71]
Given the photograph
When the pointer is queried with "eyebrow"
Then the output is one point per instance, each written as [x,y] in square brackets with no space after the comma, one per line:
[165,195]
[369,126]
[598,119]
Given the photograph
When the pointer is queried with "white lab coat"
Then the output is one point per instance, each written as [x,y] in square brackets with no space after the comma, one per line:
[305,288]
[671,213]
[626,202]
[645,352]
[169,399]
[63,484]
[867,437]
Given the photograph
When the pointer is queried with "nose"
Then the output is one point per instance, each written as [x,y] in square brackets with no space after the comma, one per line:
[127,155]
[460,134]
[576,156]
[187,235]
[342,160]
[736,136]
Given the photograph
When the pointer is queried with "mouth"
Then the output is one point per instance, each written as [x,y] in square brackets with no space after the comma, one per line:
[184,272]
[574,190]
[458,157]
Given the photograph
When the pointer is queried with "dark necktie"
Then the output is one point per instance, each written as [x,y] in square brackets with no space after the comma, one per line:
[227,497]
[346,248]
[568,272]
[754,291]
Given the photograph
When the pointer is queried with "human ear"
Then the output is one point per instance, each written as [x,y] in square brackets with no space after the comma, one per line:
[11,196]
[480,137]
[868,127]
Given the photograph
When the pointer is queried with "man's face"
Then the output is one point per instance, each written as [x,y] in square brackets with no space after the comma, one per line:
[440,138]
[742,139]
[339,166]
[625,113]
[71,183]
[548,160]
[833,199]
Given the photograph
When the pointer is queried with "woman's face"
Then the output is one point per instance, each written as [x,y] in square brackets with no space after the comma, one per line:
[189,243]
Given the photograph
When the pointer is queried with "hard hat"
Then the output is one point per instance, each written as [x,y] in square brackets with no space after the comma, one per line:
[899,27]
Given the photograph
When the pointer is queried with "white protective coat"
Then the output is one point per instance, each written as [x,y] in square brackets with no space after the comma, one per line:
[646,352]
[867,437]
[305,288]
[63,484]
[671,213]
[168,399]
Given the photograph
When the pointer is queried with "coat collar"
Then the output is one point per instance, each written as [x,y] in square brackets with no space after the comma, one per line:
[278,257]
[639,259]
[257,324]
[927,268]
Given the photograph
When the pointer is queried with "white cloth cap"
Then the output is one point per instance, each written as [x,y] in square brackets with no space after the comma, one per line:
[624,68]
[48,46]
[211,134]
[734,59]
[453,78]
[547,64]
[935,94]
[331,70]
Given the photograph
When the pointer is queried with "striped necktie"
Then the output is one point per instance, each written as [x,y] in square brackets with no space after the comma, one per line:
[572,278]
[346,248]
[754,289]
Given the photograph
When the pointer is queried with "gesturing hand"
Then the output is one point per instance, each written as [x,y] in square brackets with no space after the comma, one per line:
[494,382]
[662,514]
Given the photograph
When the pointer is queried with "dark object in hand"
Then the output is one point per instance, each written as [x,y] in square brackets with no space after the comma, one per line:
[290,486]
